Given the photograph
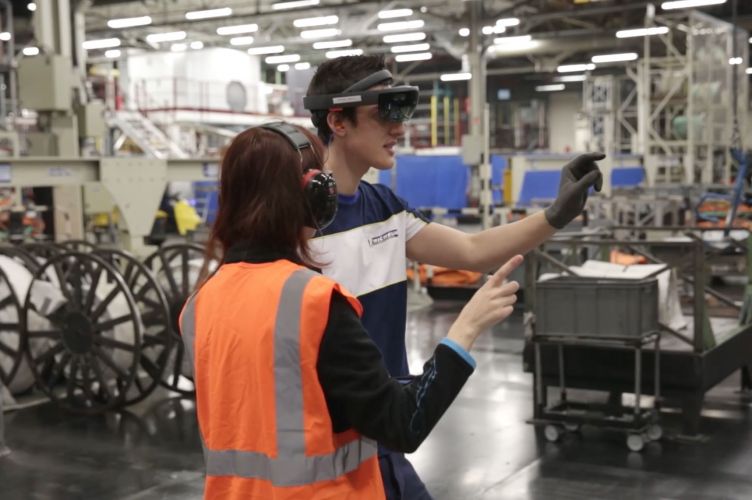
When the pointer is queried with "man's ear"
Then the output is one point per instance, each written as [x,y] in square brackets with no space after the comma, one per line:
[336,122]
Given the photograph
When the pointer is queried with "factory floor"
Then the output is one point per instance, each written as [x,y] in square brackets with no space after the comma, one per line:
[481,449]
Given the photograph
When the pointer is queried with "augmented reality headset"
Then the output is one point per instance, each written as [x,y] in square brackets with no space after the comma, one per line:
[396,104]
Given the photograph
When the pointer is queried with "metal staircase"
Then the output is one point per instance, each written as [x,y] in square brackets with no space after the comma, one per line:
[146,135]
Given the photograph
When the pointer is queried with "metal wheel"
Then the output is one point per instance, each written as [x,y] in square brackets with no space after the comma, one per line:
[83,328]
[11,338]
[552,433]
[42,251]
[21,255]
[655,432]
[82,246]
[177,268]
[635,442]
[157,338]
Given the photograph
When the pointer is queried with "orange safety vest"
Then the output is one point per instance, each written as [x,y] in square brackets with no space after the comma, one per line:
[253,332]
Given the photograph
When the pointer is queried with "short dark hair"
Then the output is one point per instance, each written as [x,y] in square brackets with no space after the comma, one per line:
[334,76]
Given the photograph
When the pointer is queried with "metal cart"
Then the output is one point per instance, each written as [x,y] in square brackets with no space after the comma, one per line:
[597,312]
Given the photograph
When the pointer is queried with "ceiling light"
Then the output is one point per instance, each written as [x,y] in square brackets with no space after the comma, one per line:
[570,78]
[322,33]
[390,14]
[508,22]
[464,32]
[607,58]
[302,66]
[574,68]
[401,25]
[315,21]
[5,36]
[550,88]
[332,44]
[418,47]
[513,40]
[421,56]
[455,77]
[32,7]
[30,51]
[283,68]
[271,49]
[129,22]
[284,59]
[656,30]
[208,14]
[197,45]
[178,47]
[238,29]
[735,60]
[688,4]
[112,54]
[104,43]
[172,36]
[749,71]
[334,54]
[294,5]
[487,30]
[241,40]
[405,37]
[499,29]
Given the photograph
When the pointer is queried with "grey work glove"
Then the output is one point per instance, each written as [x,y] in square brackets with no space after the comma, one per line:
[577,177]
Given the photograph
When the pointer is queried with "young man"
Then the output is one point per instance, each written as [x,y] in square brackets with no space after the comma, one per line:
[360,116]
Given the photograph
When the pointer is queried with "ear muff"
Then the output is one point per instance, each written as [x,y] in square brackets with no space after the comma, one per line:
[320,191]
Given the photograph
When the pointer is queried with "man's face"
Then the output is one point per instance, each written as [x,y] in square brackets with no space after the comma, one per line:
[372,141]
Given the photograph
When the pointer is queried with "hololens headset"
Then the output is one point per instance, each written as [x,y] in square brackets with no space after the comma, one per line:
[319,187]
[396,104]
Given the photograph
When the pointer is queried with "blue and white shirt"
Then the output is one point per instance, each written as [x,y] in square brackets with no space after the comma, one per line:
[365,249]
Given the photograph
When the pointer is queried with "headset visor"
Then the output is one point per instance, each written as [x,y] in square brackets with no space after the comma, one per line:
[396,104]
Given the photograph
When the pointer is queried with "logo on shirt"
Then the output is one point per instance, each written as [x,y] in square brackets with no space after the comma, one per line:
[377,240]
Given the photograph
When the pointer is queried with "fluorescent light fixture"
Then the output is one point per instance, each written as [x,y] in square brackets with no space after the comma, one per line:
[283,68]
[513,40]
[455,77]
[554,87]
[129,22]
[178,47]
[5,36]
[574,68]
[294,5]
[487,30]
[421,56]
[401,25]
[334,54]
[735,61]
[302,66]
[208,14]
[418,47]
[332,44]
[655,30]
[284,59]
[464,32]
[405,37]
[271,49]
[197,45]
[749,71]
[172,36]
[31,6]
[309,22]
[391,14]
[238,29]
[570,78]
[31,51]
[104,43]
[112,54]
[322,33]
[508,22]
[608,58]
[688,4]
[499,29]
[241,40]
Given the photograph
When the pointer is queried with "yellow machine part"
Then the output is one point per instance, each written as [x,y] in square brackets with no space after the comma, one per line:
[186,217]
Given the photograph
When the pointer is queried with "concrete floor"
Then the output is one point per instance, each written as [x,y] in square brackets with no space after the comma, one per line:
[482,448]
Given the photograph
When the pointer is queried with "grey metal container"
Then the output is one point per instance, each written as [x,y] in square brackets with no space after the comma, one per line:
[570,306]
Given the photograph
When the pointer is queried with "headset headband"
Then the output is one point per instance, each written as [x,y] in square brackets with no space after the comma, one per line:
[293,135]
[369,81]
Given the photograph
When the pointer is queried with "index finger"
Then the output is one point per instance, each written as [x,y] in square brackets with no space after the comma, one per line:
[504,271]
[586,164]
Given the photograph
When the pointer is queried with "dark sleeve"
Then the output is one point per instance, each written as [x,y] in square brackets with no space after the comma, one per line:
[361,394]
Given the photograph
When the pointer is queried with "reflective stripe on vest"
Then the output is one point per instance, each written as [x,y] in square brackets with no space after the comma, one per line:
[291,467]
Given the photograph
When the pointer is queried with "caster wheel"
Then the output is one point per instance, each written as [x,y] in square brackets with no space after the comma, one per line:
[635,442]
[572,427]
[552,433]
[655,432]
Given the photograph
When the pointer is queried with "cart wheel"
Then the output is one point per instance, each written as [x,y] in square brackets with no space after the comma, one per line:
[552,433]
[655,432]
[635,442]
[572,427]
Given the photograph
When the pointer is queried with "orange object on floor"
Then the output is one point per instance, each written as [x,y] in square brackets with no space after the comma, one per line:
[443,276]
[626,259]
